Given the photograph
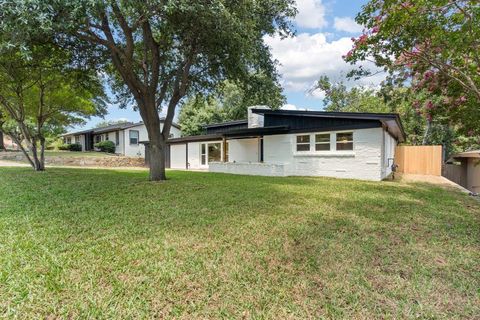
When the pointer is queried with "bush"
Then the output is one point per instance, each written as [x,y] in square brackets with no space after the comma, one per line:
[106,146]
[70,147]
[75,147]
[63,147]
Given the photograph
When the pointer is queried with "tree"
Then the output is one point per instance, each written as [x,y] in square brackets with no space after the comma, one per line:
[107,123]
[42,93]
[228,102]
[158,51]
[433,45]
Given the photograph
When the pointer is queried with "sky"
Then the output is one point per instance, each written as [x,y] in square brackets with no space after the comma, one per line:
[324,29]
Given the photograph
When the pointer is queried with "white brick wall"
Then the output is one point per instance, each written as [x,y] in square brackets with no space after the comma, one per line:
[364,162]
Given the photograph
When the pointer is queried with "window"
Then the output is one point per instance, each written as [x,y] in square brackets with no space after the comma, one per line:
[134,136]
[107,136]
[214,152]
[98,138]
[204,154]
[69,140]
[303,143]
[117,138]
[322,142]
[345,141]
[77,139]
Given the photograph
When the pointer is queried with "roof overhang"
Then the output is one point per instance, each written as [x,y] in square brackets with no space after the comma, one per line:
[467,154]
[391,121]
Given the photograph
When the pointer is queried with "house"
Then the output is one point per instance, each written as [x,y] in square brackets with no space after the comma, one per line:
[294,143]
[468,172]
[126,136]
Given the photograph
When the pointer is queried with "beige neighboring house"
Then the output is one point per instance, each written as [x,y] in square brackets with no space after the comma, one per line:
[126,137]
[9,144]
[470,164]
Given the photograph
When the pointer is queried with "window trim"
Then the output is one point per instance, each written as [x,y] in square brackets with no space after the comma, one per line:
[344,142]
[130,137]
[333,144]
[309,143]
[329,142]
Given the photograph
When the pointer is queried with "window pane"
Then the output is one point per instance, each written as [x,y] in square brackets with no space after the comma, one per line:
[345,146]
[134,136]
[203,148]
[303,147]
[322,137]
[214,152]
[303,139]
[203,159]
[344,137]
[322,147]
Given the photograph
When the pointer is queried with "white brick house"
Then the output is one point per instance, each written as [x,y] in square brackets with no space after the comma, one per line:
[294,143]
[125,136]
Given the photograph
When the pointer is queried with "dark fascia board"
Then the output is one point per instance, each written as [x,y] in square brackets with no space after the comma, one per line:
[204,137]
[346,115]
[257,131]
[225,124]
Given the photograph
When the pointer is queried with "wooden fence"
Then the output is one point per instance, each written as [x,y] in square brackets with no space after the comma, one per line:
[419,159]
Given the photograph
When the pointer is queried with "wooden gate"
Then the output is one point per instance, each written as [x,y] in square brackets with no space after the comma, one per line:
[419,159]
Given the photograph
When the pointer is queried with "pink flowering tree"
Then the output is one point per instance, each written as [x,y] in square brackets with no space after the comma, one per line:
[434,47]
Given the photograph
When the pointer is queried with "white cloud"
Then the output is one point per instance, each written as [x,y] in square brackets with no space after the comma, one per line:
[311,14]
[304,58]
[346,24]
[289,107]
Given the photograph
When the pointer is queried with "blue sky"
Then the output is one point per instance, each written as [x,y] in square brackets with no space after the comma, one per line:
[324,29]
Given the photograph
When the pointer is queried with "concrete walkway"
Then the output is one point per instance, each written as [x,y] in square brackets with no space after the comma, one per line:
[437,180]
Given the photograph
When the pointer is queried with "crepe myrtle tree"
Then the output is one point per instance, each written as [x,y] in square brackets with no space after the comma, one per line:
[433,46]
[40,94]
[157,51]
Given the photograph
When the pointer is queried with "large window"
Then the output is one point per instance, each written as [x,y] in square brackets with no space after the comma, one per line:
[117,138]
[322,142]
[134,134]
[210,152]
[214,152]
[303,143]
[345,141]
[98,138]
[69,140]
[107,136]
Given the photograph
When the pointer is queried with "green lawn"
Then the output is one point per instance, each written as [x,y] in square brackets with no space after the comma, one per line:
[78,243]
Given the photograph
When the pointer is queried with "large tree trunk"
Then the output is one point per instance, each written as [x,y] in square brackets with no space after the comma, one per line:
[157,141]
[2,146]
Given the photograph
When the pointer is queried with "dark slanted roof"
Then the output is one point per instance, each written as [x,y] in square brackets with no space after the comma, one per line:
[225,126]
[114,127]
[332,120]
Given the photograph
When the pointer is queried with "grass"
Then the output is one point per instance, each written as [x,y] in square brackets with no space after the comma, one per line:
[105,244]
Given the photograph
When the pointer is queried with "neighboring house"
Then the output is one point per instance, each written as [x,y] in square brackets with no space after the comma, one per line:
[126,136]
[9,144]
[294,143]
[468,173]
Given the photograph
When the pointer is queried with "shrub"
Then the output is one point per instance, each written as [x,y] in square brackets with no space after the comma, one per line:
[106,146]
[75,147]
[63,147]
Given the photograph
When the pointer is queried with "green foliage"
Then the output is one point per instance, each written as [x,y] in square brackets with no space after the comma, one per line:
[105,146]
[229,102]
[432,45]
[103,124]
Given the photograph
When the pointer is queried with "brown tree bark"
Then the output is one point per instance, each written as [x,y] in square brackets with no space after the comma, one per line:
[2,145]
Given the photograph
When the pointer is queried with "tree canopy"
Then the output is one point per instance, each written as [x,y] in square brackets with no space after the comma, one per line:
[156,52]
[41,93]
[433,46]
